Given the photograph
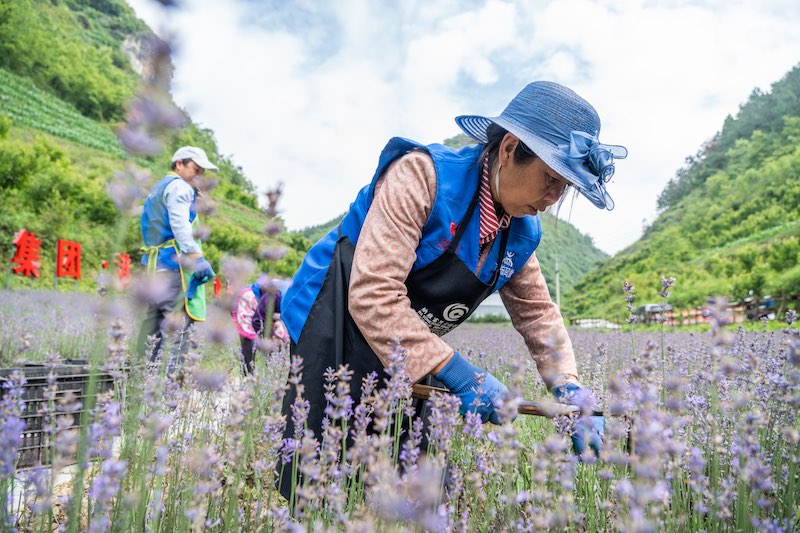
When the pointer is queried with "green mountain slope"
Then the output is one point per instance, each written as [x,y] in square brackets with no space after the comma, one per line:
[574,251]
[730,222]
[67,71]
[73,50]
[27,105]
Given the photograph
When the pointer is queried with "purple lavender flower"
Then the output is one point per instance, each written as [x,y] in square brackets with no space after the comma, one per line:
[104,430]
[104,488]
[11,434]
[300,409]
[273,229]
[630,295]
[473,426]
[337,393]
[444,420]
[410,453]
[273,197]
[12,425]
[274,253]
[414,500]
[666,284]
[210,380]
[39,489]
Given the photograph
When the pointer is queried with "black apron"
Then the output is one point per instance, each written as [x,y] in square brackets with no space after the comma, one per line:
[444,294]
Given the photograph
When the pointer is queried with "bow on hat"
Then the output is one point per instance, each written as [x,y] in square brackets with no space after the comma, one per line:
[592,161]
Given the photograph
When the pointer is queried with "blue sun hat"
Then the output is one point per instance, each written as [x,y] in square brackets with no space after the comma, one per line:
[562,129]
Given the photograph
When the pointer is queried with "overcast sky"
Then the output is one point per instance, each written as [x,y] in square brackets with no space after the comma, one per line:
[306,93]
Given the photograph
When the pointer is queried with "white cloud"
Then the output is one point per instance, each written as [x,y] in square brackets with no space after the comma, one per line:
[307,93]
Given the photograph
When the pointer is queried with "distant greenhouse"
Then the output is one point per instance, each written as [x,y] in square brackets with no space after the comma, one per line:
[491,306]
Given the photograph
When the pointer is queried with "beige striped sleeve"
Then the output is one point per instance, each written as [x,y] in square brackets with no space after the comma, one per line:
[384,255]
[539,322]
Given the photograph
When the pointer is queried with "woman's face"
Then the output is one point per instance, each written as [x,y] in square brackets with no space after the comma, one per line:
[525,189]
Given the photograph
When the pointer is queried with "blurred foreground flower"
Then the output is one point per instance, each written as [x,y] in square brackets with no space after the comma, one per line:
[152,114]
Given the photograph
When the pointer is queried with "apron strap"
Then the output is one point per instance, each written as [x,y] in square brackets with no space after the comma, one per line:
[500,254]
[152,254]
[340,304]
[340,299]
[463,224]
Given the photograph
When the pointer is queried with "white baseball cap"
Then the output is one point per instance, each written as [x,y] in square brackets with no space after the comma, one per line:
[198,155]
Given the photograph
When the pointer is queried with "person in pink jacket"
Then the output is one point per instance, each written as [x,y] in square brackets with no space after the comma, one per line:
[254,309]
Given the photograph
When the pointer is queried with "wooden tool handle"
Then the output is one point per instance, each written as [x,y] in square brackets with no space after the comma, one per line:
[526,407]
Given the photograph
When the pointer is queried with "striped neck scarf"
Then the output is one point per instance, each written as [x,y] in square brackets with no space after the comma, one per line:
[490,224]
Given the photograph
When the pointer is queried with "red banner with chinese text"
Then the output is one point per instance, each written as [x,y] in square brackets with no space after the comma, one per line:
[68,259]
[26,254]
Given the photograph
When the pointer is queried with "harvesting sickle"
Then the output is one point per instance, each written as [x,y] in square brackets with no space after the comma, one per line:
[547,410]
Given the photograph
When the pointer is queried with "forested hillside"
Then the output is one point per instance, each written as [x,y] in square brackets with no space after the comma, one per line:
[68,70]
[729,221]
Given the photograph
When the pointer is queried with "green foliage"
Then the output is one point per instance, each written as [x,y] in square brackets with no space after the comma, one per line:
[460,140]
[315,233]
[573,251]
[48,44]
[5,125]
[489,319]
[45,193]
[763,114]
[735,233]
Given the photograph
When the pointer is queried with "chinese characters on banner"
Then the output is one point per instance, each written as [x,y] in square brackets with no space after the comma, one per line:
[26,259]
[26,254]
[68,259]
[123,262]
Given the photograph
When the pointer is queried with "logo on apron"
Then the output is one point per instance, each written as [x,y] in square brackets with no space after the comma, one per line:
[454,312]
[452,316]
[507,268]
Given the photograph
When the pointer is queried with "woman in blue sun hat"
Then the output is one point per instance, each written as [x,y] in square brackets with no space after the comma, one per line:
[434,233]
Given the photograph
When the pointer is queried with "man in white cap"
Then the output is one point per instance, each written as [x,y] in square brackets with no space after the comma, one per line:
[174,257]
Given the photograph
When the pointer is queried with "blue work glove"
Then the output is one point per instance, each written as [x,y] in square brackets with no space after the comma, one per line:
[458,375]
[203,273]
[586,428]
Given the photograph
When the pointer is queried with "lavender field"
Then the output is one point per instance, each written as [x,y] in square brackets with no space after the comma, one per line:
[714,443]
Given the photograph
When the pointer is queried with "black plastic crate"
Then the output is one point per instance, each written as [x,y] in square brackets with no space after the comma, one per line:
[70,375]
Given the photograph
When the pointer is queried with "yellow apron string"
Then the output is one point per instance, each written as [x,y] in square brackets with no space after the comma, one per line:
[196,307]
[152,254]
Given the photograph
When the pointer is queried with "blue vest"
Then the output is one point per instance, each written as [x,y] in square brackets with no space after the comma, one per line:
[457,180]
[156,229]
